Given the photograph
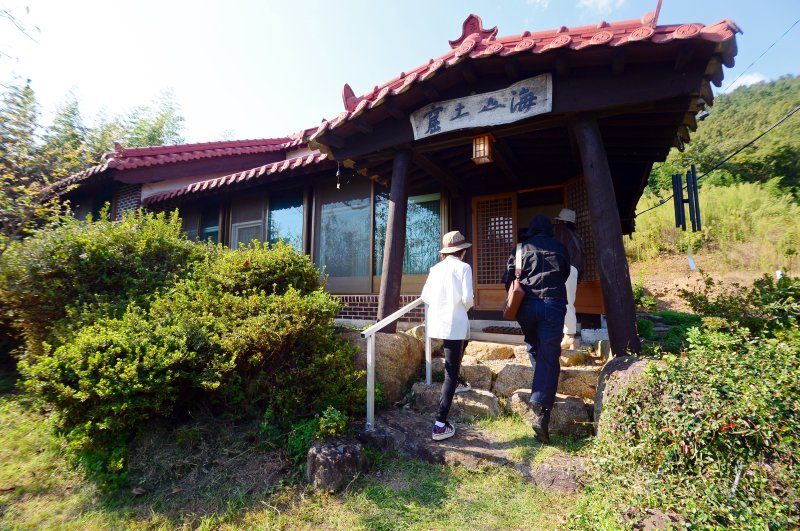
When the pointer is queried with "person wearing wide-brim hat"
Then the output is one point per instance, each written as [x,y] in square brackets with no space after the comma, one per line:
[565,232]
[448,294]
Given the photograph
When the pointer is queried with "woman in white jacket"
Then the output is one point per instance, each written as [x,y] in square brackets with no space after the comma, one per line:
[448,294]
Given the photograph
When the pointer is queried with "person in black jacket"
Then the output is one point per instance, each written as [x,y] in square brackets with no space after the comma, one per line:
[545,268]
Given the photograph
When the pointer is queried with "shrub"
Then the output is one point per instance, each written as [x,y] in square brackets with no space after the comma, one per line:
[765,306]
[711,437]
[645,328]
[220,337]
[82,270]
[302,435]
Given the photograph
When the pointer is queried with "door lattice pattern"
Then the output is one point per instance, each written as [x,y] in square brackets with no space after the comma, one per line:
[578,200]
[495,238]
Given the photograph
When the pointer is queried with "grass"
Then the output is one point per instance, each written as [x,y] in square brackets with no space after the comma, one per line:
[753,228]
[186,488]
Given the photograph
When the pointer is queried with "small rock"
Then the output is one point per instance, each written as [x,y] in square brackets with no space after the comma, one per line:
[569,415]
[592,335]
[475,403]
[418,332]
[615,377]
[579,381]
[332,465]
[563,473]
[478,376]
[482,351]
[512,377]
[602,349]
[571,358]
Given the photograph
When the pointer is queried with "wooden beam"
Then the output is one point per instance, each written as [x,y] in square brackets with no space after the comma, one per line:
[506,160]
[618,62]
[512,68]
[394,110]
[392,274]
[362,126]
[615,279]
[468,71]
[431,93]
[435,169]
[562,65]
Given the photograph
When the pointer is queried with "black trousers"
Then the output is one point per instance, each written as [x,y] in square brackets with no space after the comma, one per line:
[453,352]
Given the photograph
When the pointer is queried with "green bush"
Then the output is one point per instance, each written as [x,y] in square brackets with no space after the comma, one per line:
[302,434]
[81,270]
[646,328]
[766,305]
[712,435]
[244,330]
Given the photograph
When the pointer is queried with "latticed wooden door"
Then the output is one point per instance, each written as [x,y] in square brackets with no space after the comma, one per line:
[494,219]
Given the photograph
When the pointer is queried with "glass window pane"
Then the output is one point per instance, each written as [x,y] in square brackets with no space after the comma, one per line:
[423,232]
[343,220]
[286,218]
[245,233]
[209,224]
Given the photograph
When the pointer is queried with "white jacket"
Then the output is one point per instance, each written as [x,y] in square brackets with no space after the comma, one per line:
[448,294]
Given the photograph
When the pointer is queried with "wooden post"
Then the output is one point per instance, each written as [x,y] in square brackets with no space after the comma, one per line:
[607,233]
[392,274]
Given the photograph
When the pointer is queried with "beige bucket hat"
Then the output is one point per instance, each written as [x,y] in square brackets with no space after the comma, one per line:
[453,242]
[566,215]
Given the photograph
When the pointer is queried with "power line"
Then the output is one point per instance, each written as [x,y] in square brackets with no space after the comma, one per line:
[729,157]
[760,56]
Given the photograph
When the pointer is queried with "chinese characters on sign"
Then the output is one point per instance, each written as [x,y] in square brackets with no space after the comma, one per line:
[521,100]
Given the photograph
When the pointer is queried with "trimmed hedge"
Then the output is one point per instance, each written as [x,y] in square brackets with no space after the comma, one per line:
[248,330]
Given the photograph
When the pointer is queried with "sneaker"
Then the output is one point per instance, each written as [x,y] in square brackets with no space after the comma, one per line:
[463,387]
[443,432]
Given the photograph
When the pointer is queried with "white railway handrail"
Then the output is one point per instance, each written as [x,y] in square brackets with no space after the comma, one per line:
[369,334]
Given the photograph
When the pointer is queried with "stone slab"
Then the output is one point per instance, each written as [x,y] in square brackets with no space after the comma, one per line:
[579,381]
[474,403]
[569,416]
[511,377]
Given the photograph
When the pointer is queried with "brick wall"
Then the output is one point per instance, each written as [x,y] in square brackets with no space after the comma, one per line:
[365,308]
[127,197]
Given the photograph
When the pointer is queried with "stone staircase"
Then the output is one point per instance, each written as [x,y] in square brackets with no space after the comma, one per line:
[500,374]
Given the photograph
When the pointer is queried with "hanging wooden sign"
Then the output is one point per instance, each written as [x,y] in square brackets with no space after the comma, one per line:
[521,100]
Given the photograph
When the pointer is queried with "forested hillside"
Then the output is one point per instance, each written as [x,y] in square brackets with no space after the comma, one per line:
[735,119]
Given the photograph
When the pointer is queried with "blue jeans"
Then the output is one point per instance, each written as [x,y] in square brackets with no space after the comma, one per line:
[542,322]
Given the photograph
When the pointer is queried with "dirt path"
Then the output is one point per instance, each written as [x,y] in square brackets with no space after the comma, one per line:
[666,275]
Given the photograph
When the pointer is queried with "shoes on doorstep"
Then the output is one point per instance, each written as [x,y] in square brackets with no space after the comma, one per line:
[568,342]
[443,432]
[462,386]
[541,419]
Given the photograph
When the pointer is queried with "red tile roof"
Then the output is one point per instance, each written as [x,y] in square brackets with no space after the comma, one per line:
[131,158]
[477,43]
[235,178]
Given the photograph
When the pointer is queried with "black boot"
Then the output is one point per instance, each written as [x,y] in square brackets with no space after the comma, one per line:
[541,419]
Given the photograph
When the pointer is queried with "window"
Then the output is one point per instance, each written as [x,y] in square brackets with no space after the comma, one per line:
[423,232]
[247,220]
[286,218]
[191,220]
[209,224]
[343,225]
[102,200]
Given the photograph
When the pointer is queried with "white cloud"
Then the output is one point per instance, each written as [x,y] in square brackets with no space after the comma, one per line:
[540,4]
[601,6]
[745,80]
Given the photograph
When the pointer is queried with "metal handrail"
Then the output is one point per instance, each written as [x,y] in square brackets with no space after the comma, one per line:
[369,335]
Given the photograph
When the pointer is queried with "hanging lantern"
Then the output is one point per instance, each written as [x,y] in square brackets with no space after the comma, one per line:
[482,149]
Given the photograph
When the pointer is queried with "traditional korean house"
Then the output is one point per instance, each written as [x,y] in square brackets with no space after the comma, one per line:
[479,139]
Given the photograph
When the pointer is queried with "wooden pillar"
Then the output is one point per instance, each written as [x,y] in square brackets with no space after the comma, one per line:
[392,274]
[615,279]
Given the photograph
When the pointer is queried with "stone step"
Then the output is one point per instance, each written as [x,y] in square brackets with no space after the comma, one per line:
[570,415]
[474,403]
[409,434]
[503,377]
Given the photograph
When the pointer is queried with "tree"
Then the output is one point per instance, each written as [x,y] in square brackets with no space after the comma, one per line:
[65,150]
[736,119]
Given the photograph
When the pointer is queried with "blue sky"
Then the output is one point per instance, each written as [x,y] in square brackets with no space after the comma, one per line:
[256,68]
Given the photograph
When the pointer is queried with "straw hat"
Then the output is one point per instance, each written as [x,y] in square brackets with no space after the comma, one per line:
[566,215]
[453,242]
